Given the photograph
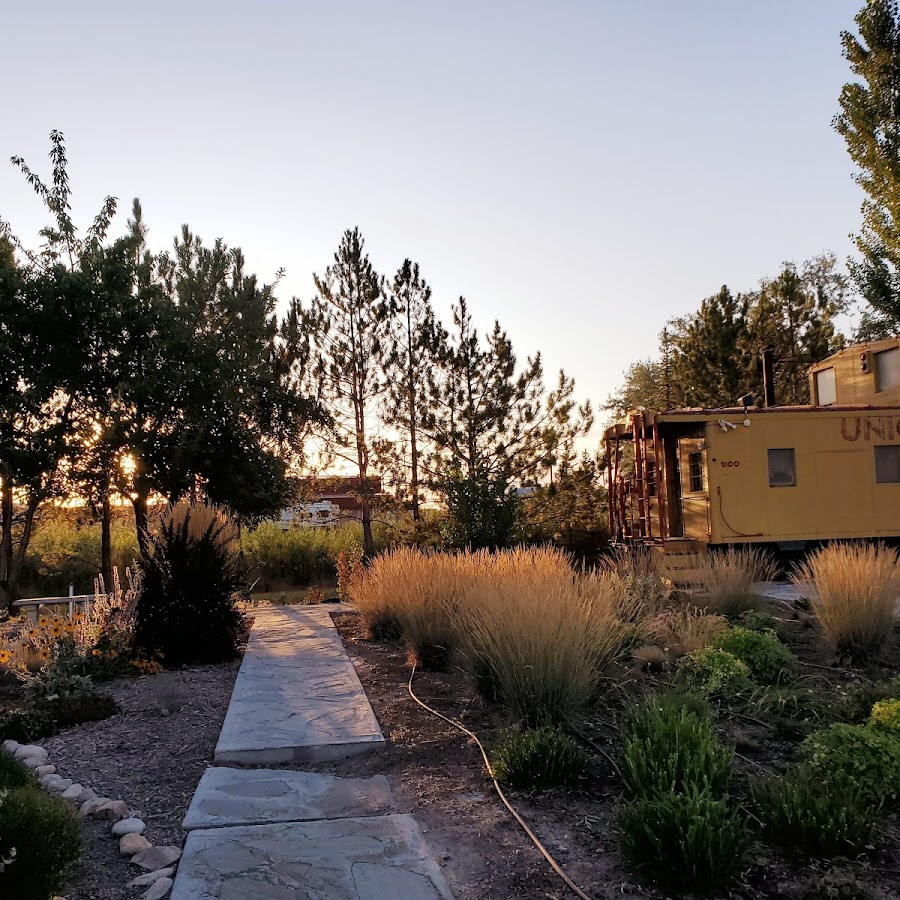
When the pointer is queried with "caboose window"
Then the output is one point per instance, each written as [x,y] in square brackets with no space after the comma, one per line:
[782,468]
[826,387]
[887,464]
[887,369]
[695,468]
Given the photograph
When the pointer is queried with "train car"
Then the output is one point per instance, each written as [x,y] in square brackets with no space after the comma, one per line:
[780,475]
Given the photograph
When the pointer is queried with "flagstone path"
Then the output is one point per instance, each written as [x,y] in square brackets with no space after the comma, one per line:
[269,834]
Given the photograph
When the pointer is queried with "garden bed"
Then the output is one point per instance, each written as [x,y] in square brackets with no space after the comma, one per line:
[151,755]
[438,774]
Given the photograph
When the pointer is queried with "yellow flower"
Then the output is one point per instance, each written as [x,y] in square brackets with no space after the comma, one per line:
[31,634]
[4,656]
[43,621]
[44,653]
[113,654]
[96,653]
[70,627]
[56,631]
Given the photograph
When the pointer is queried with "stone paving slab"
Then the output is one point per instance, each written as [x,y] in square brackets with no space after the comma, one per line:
[297,696]
[227,797]
[785,592]
[378,858]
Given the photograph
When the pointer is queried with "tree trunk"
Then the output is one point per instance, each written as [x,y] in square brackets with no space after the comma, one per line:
[7,594]
[139,502]
[106,567]
[368,540]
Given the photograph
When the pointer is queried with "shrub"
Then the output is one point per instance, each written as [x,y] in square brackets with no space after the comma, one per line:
[856,587]
[869,757]
[13,774]
[538,758]
[685,630]
[481,511]
[92,707]
[724,581]
[886,715]
[26,725]
[714,671]
[764,655]
[47,839]
[856,702]
[187,611]
[811,817]
[754,620]
[671,747]
[347,563]
[683,840]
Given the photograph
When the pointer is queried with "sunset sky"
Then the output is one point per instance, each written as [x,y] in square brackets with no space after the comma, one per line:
[581,171]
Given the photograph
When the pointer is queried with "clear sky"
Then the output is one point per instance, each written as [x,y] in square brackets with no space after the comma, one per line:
[581,171]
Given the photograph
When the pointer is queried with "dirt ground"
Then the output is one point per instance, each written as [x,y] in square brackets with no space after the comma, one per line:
[437,774]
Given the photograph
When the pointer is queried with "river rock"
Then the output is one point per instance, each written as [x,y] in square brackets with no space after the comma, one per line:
[85,795]
[112,811]
[41,771]
[10,746]
[30,751]
[89,807]
[157,858]
[132,825]
[62,784]
[150,877]
[47,780]
[73,792]
[158,889]
[133,843]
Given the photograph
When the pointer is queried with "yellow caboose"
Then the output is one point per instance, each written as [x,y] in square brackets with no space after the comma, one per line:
[784,475]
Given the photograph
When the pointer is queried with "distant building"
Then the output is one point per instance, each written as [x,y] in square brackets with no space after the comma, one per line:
[332,500]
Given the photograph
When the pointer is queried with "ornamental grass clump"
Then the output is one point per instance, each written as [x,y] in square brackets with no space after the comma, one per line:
[187,611]
[538,758]
[811,817]
[412,594]
[684,629]
[854,596]
[539,637]
[723,581]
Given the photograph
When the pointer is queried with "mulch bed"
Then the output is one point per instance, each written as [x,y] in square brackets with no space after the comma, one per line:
[151,755]
[438,775]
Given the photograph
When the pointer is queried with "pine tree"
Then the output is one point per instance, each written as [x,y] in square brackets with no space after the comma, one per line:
[412,344]
[348,320]
[869,122]
[711,353]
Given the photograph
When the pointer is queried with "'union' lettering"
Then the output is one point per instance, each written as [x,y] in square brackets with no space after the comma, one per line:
[844,431]
[873,428]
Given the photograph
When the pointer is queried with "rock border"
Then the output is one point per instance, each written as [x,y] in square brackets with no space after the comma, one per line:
[127,827]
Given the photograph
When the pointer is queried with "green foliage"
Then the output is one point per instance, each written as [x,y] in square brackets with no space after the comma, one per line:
[714,671]
[299,556]
[538,758]
[13,774]
[26,725]
[754,620]
[187,611]
[856,702]
[47,839]
[481,512]
[64,551]
[886,715]
[869,757]
[869,122]
[689,840]
[812,817]
[767,659]
[673,748]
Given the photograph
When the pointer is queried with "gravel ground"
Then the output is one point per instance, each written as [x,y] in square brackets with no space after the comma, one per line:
[151,755]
